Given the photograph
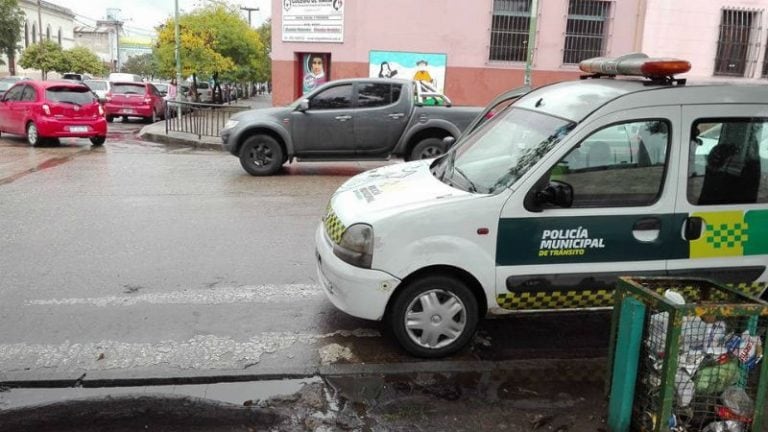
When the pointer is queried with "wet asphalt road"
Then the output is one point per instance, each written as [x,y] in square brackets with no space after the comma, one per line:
[137,260]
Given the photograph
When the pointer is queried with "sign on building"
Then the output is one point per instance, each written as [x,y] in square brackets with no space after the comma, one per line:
[426,67]
[313,21]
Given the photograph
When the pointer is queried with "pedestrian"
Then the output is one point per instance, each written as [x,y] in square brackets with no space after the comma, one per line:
[227,93]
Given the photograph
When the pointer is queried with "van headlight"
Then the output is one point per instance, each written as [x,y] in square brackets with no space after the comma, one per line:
[230,124]
[356,246]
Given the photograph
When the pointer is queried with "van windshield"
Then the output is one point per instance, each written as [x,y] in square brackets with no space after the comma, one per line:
[501,151]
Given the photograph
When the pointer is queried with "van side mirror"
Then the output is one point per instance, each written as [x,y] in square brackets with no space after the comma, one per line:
[304,105]
[448,141]
[557,193]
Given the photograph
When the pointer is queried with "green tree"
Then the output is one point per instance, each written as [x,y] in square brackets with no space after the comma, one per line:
[46,56]
[264,67]
[80,60]
[143,65]
[11,22]
[215,42]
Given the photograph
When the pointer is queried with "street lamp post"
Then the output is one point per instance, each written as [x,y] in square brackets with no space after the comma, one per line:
[178,57]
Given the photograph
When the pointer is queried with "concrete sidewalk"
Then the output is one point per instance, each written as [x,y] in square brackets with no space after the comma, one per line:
[155,132]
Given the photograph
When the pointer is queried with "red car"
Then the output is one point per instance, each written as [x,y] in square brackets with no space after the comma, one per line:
[44,110]
[134,99]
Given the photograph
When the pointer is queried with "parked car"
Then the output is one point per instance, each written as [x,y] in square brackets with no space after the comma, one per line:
[100,87]
[134,99]
[546,204]
[350,119]
[44,110]
[76,76]
[124,77]
[205,91]
[161,87]
[7,82]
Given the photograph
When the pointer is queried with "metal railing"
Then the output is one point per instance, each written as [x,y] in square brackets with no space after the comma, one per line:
[586,30]
[509,30]
[734,42]
[198,118]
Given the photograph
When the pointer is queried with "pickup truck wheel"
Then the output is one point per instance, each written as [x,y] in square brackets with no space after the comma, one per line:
[427,149]
[434,316]
[261,155]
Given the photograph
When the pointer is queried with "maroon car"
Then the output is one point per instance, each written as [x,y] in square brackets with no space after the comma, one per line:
[134,99]
[43,110]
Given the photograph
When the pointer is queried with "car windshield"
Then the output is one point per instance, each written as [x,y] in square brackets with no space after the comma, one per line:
[71,95]
[128,88]
[96,85]
[161,87]
[501,151]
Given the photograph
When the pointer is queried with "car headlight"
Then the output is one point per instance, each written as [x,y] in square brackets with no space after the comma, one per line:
[356,246]
[230,124]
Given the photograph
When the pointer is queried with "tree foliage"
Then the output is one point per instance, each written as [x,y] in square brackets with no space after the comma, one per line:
[215,40]
[80,60]
[45,56]
[143,65]
[11,22]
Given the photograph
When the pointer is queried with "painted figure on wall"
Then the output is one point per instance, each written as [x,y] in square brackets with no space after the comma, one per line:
[422,72]
[385,71]
[314,72]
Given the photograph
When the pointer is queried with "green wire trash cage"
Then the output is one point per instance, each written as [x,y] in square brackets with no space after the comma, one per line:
[700,360]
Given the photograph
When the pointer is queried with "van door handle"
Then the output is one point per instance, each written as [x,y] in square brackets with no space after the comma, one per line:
[395,116]
[343,118]
[692,228]
[647,230]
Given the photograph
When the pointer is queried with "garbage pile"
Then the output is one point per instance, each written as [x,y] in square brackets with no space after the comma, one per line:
[717,374]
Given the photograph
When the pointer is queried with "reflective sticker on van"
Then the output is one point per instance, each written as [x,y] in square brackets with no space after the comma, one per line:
[732,234]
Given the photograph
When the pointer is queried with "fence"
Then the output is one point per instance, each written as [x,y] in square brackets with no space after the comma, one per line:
[197,118]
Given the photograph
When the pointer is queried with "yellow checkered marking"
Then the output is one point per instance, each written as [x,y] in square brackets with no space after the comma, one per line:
[573,299]
[333,226]
[602,298]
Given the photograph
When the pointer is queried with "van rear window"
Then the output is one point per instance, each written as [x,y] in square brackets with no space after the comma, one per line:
[128,88]
[72,95]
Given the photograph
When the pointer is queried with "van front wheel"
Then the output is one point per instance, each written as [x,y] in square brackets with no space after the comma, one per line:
[434,316]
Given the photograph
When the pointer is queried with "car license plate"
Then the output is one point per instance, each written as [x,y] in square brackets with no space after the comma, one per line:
[78,128]
[128,110]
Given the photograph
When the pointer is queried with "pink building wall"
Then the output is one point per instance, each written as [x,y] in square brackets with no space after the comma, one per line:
[461,30]
[689,29]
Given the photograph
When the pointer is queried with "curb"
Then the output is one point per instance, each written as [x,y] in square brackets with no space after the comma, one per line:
[555,370]
[147,135]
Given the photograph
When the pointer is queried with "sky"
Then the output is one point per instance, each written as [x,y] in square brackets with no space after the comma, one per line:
[142,16]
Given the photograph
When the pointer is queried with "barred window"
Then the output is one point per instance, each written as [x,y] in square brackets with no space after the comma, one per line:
[733,42]
[509,30]
[586,30]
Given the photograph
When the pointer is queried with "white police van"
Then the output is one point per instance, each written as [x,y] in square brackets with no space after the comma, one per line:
[542,207]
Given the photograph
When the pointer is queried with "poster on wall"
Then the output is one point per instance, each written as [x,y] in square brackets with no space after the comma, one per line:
[314,73]
[425,67]
[313,21]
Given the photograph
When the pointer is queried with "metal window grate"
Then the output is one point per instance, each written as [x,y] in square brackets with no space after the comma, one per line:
[585,30]
[733,42]
[509,30]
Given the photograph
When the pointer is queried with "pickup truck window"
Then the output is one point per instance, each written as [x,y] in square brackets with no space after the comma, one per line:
[338,97]
[371,95]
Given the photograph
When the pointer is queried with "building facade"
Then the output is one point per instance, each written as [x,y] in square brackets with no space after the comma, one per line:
[475,50]
[57,25]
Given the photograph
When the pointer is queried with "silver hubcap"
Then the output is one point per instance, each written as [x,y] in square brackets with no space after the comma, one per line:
[32,134]
[435,319]
[260,155]
[431,152]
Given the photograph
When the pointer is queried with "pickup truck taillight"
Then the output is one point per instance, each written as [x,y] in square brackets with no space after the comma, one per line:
[46,109]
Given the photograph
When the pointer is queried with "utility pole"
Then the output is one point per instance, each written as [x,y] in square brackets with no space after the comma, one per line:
[249,12]
[40,18]
[531,41]
[178,58]
[118,26]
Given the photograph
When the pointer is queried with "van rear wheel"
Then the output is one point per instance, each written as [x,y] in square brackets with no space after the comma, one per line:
[434,316]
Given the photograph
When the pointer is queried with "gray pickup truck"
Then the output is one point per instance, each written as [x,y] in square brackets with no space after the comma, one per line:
[353,119]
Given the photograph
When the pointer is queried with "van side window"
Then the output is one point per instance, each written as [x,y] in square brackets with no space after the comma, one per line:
[622,165]
[728,161]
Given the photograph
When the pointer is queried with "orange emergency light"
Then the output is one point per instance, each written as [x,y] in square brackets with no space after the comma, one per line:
[636,64]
